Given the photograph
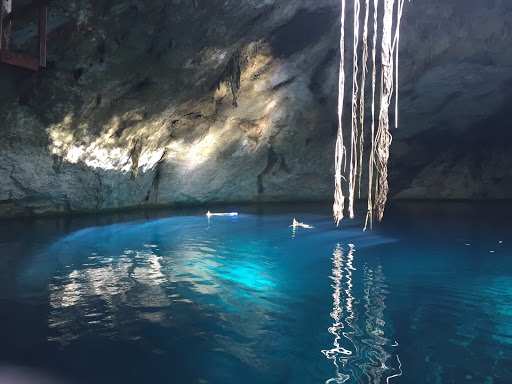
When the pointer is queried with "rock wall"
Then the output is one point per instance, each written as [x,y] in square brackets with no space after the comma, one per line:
[178,102]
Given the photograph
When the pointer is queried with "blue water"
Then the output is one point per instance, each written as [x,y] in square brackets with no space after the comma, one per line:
[175,297]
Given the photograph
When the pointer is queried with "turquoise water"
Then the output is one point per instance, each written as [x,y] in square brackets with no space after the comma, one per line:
[175,297]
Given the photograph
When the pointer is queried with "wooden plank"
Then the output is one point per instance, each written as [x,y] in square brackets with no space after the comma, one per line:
[5,34]
[19,59]
[43,13]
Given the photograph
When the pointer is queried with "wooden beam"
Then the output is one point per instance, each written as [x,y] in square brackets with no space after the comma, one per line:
[5,31]
[43,12]
[19,59]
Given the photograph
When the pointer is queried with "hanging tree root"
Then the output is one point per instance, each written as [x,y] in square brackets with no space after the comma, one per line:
[396,41]
[354,136]
[363,82]
[369,212]
[339,199]
[383,140]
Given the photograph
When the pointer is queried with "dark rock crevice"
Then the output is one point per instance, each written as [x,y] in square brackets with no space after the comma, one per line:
[135,156]
[271,161]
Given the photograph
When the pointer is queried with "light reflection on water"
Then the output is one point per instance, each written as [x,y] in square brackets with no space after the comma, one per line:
[227,277]
[176,274]
[361,354]
[376,343]
[337,315]
[192,300]
[93,296]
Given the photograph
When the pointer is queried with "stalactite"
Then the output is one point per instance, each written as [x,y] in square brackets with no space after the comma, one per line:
[354,136]
[339,199]
[369,213]
[383,140]
[362,87]
[232,74]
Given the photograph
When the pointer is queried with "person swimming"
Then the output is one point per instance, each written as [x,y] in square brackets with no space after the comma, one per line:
[295,224]
[209,214]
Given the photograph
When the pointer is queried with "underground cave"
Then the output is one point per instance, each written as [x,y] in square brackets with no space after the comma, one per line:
[169,171]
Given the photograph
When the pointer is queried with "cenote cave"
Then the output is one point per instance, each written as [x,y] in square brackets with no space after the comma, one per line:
[255,191]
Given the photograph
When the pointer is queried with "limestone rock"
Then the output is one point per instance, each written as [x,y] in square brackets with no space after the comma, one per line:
[175,102]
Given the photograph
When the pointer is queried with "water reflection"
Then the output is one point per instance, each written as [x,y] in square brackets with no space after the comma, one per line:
[183,278]
[375,295]
[92,296]
[359,343]
[337,315]
[187,301]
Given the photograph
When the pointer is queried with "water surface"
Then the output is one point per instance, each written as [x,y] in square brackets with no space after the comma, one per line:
[175,297]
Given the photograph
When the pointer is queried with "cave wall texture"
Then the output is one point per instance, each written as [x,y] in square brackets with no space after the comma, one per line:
[136,108]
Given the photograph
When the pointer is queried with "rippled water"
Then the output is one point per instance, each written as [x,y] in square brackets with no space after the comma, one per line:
[426,297]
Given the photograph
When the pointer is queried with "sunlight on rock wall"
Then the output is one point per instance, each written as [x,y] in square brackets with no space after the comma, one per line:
[137,105]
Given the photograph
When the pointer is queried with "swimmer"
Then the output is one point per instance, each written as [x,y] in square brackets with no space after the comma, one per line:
[209,214]
[297,224]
